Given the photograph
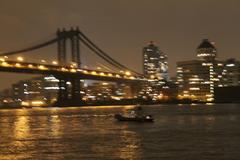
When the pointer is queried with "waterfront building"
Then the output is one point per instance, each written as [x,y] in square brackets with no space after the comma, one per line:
[36,91]
[110,91]
[51,87]
[127,91]
[42,91]
[27,91]
[99,91]
[6,97]
[197,78]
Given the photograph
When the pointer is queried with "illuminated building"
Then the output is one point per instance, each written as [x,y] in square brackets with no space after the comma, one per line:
[99,91]
[228,90]
[206,51]
[128,91]
[155,66]
[6,97]
[231,73]
[44,91]
[107,91]
[155,63]
[50,90]
[39,90]
[29,90]
[197,78]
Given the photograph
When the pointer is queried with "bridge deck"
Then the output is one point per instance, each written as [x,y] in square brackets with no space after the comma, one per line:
[59,71]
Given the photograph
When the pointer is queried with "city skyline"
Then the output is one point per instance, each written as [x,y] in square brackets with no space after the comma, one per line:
[176,32]
[196,80]
[119,79]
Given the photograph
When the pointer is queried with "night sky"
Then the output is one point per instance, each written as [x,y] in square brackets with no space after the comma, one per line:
[122,28]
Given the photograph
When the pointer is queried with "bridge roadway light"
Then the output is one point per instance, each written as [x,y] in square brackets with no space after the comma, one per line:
[73,64]
[73,70]
[132,77]
[42,67]
[5,64]
[20,59]
[94,73]
[84,71]
[64,69]
[102,74]
[54,62]
[43,61]
[30,66]
[18,65]
[128,73]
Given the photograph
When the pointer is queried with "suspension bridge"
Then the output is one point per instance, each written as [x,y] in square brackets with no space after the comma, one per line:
[70,72]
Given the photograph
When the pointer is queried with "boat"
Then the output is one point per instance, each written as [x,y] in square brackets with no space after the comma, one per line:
[144,118]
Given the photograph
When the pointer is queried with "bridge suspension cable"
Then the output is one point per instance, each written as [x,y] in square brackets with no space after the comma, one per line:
[106,67]
[104,55]
[30,48]
[96,52]
[86,41]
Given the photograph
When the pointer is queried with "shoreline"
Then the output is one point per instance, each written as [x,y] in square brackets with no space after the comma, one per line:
[113,104]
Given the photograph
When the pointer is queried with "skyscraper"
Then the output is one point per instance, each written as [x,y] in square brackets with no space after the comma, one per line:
[154,62]
[197,78]
[206,51]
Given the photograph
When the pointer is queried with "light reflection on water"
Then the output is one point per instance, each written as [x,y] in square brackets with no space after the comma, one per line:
[179,132]
[21,127]
[55,123]
[131,148]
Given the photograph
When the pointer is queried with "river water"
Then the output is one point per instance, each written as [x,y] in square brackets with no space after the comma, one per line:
[180,132]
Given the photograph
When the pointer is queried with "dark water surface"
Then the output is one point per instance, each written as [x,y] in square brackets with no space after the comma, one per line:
[187,132]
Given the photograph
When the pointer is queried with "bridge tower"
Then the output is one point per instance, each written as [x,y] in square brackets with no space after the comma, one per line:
[72,35]
[63,94]
[75,47]
[62,59]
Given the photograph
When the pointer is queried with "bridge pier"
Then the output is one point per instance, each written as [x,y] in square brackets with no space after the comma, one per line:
[75,91]
[69,95]
[62,93]
[135,89]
